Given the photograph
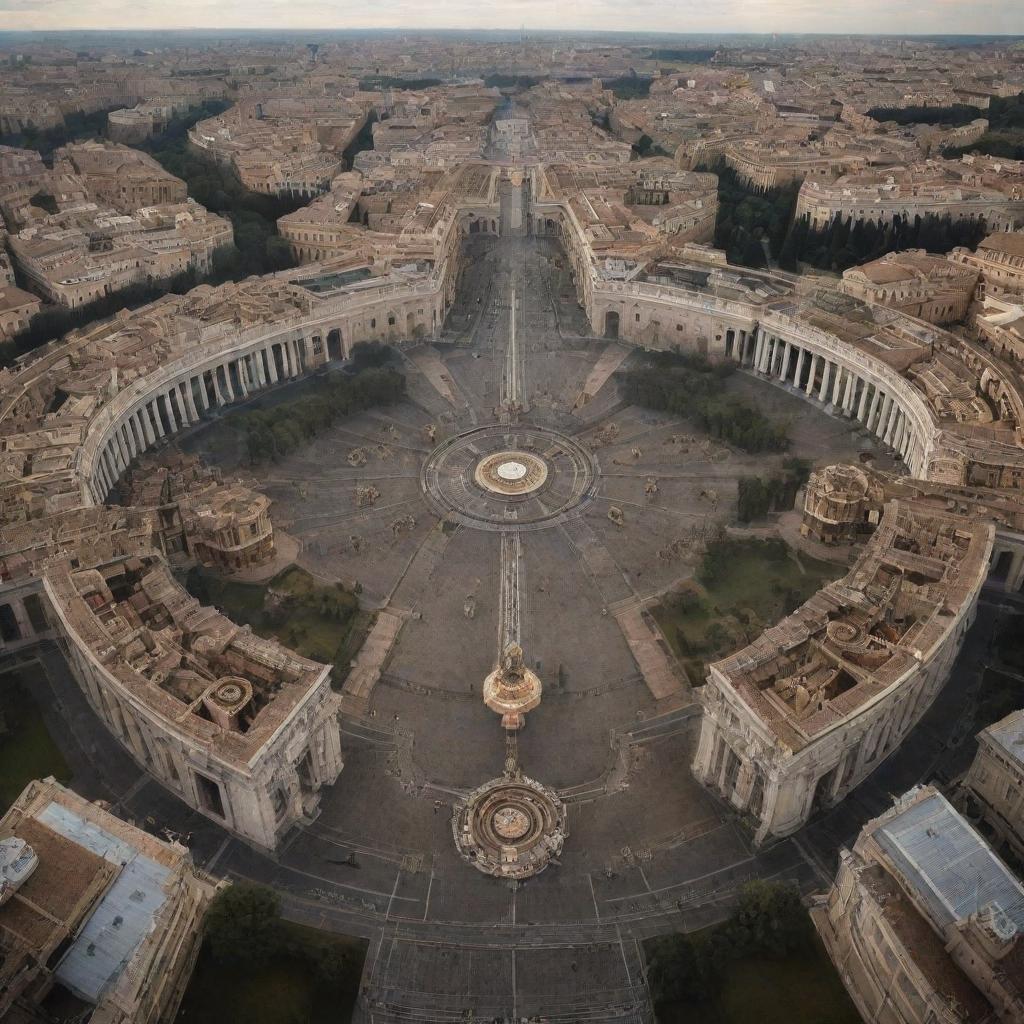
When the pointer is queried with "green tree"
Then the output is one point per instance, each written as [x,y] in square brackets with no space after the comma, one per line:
[683,968]
[717,637]
[769,919]
[243,925]
[691,387]
[278,253]
[366,354]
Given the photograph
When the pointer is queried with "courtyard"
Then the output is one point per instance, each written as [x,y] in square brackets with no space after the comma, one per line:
[514,494]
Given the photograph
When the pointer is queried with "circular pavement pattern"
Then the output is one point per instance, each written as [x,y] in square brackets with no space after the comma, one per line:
[502,477]
[510,827]
[510,471]
[511,474]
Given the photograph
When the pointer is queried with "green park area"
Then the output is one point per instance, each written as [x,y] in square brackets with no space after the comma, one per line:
[697,390]
[765,964]
[742,586]
[27,750]
[255,968]
[322,621]
[275,431]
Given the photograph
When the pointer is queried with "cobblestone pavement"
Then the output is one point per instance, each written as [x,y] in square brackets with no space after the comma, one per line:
[648,849]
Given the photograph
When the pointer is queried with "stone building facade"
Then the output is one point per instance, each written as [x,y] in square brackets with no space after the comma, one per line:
[797,719]
[931,288]
[126,178]
[996,778]
[17,307]
[910,192]
[791,723]
[999,260]
[201,519]
[924,923]
[239,727]
[101,914]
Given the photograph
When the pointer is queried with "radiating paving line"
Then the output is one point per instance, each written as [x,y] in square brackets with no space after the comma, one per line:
[509,618]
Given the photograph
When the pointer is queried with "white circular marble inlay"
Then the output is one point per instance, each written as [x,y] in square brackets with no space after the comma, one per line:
[511,471]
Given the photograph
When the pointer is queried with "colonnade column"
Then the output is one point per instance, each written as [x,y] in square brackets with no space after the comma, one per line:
[825,371]
[204,398]
[218,395]
[883,417]
[256,364]
[141,443]
[890,434]
[851,393]
[183,410]
[837,385]
[144,426]
[190,401]
[783,359]
[812,375]
[110,467]
[905,438]
[862,408]
[171,420]
[897,433]
[875,402]
[153,411]
[117,458]
[125,437]
[122,447]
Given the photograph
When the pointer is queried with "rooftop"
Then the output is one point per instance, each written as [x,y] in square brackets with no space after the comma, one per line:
[949,866]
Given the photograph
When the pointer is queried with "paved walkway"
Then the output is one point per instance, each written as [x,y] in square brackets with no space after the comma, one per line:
[649,652]
[608,362]
[372,657]
[430,364]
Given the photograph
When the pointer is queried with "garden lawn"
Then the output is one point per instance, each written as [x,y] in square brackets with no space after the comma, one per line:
[319,621]
[742,587]
[27,750]
[771,990]
[287,991]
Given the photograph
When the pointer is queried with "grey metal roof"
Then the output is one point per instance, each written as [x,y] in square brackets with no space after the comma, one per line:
[122,918]
[949,865]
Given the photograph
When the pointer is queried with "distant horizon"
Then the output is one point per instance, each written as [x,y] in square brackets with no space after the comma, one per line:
[801,18]
[511,30]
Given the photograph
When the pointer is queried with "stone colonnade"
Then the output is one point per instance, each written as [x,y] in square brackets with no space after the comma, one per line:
[845,390]
[182,402]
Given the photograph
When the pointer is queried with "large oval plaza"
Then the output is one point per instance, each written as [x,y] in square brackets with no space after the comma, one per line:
[513,497]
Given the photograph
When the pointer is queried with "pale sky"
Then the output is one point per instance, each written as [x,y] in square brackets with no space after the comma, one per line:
[877,17]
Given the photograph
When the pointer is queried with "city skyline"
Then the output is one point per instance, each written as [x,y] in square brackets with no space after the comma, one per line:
[875,17]
[509,523]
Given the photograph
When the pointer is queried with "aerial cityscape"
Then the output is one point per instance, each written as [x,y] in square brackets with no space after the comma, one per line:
[512,524]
